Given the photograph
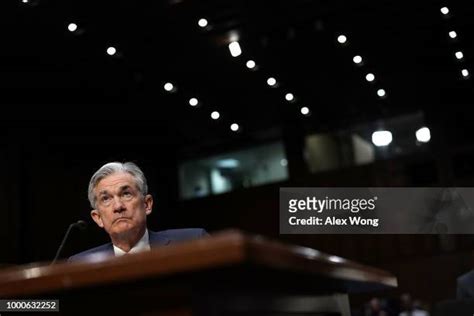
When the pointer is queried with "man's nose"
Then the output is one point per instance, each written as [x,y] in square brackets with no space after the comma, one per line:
[118,204]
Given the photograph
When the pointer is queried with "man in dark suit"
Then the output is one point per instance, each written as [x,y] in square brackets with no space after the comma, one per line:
[118,194]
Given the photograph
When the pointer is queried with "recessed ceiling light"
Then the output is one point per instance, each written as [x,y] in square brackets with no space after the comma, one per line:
[342,39]
[289,97]
[423,135]
[234,48]
[168,86]
[271,81]
[357,59]
[72,27]
[193,102]
[215,115]
[382,138]
[234,127]
[111,50]
[304,110]
[202,22]
[250,64]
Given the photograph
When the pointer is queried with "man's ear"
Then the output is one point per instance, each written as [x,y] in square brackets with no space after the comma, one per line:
[97,219]
[148,204]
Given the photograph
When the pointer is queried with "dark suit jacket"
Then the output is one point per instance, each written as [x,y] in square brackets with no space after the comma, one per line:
[156,239]
[465,286]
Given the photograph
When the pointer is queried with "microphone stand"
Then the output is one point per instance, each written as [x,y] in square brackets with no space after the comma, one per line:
[81,224]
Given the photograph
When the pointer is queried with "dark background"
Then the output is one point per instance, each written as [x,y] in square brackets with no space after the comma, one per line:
[67,108]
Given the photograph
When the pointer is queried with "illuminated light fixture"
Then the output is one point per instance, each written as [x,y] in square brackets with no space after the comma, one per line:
[215,115]
[228,163]
[111,51]
[357,59]
[382,138]
[336,259]
[370,77]
[444,10]
[381,93]
[250,64]
[233,36]
[289,97]
[423,135]
[24,1]
[234,48]
[72,27]
[193,102]
[202,22]
[459,55]
[342,39]
[465,73]
[304,110]
[168,86]
[284,162]
[234,127]
[453,34]
[271,81]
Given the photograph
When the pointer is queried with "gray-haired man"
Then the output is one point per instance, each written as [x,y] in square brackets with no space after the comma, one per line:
[118,194]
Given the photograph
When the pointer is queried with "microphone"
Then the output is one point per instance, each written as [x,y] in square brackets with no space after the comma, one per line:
[79,224]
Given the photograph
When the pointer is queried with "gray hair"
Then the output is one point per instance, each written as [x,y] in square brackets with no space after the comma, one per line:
[117,167]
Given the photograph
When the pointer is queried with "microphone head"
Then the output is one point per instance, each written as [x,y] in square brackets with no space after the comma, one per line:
[81,224]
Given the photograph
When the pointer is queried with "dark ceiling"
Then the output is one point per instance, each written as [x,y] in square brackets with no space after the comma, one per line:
[404,43]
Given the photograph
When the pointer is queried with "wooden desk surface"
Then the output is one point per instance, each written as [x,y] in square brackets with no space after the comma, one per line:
[218,251]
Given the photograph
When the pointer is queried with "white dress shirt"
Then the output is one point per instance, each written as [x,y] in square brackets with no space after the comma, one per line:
[142,245]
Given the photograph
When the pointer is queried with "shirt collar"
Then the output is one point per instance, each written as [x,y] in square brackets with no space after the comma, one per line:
[142,245]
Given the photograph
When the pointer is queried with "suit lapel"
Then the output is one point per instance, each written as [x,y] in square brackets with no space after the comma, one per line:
[157,239]
[109,249]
